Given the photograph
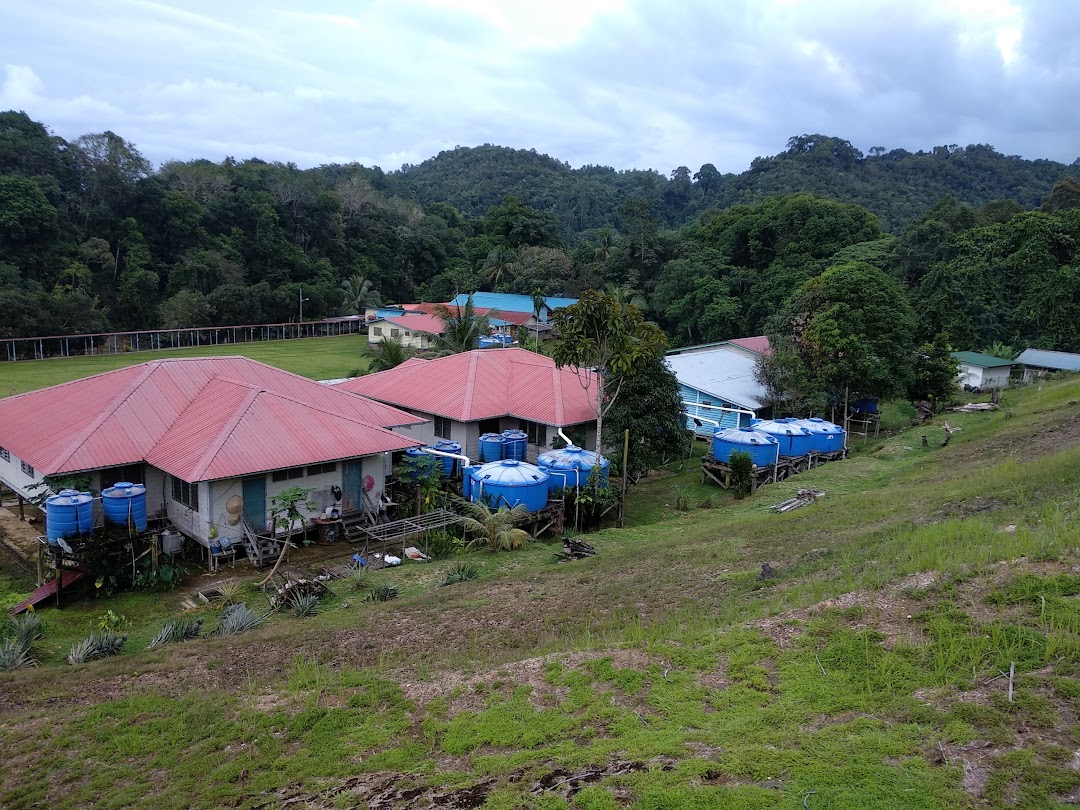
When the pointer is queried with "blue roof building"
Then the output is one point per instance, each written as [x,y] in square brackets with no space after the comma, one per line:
[1037,362]
[508,302]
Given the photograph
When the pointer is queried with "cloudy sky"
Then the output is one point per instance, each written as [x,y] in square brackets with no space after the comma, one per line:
[625,83]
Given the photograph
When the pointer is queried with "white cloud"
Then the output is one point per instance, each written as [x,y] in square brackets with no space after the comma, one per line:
[629,83]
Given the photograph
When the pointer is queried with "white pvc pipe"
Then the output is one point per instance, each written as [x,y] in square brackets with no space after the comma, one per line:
[701,419]
[459,457]
[565,438]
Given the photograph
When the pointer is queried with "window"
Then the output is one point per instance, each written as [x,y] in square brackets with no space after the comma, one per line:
[4,454]
[442,427]
[395,333]
[289,474]
[408,334]
[376,330]
[319,469]
[706,402]
[26,468]
[185,493]
[537,432]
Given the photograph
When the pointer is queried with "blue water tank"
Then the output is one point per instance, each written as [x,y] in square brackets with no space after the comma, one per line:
[865,405]
[467,481]
[571,466]
[449,465]
[514,444]
[763,448]
[508,483]
[795,440]
[827,437]
[125,505]
[491,447]
[68,514]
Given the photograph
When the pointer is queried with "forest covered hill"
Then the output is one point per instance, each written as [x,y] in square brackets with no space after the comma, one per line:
[93,237]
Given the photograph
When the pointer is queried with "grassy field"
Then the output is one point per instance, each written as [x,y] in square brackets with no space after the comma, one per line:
[318,358]
[666,672]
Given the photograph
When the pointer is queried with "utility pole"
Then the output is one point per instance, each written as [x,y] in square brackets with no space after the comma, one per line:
[302,300]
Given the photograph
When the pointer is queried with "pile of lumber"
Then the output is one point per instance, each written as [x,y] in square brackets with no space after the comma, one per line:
[975,407]
[574,549]
[804,497]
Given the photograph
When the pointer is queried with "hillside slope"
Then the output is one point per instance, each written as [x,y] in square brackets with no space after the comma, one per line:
[663,673]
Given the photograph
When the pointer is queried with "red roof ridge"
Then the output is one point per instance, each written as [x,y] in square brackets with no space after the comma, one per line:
[226,430]
[470,385]
[106,412]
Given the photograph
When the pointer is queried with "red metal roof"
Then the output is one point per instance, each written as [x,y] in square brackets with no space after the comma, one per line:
[233,428]
[516,318]
[759,344]
[118,417]
[483,384]
[417,323]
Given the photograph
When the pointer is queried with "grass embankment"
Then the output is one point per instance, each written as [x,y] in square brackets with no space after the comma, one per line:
[663,673]
[318,358]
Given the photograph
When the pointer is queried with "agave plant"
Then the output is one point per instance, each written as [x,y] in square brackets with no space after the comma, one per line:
[238,618]
[176,630]
[228,593]
[26,628]
[15,654]
[459,572]
[358,577]
[383,592]
[304,605]
[97,645]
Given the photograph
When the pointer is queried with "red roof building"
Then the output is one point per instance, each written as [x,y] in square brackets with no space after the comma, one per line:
[209,426]
[488,391]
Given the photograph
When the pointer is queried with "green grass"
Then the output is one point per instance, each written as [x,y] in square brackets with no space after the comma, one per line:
[662,673]
[318,358]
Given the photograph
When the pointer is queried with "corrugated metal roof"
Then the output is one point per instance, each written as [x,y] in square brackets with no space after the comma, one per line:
[415,323]
[484,384]
[1044,358]
[725,372]
[509,302]
[233,428]
[981,360]
[117,417]
[495,316]
[759,344]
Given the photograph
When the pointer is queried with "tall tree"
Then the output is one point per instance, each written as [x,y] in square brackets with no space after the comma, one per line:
[606,342]
[359,293]
[463,328]
[651,408]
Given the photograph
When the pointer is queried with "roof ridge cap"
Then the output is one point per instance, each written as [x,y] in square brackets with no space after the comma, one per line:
[226,429]
[470,385]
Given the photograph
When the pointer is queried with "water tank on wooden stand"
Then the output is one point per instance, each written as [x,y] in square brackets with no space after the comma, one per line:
[69,513]
[509,483]
[125,505]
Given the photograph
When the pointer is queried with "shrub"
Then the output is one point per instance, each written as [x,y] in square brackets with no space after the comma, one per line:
[304,605]
[97,645]
[741,465]
[25,628]
[383,592]
[15,654]
[175,631]
[238,619]
[459,572]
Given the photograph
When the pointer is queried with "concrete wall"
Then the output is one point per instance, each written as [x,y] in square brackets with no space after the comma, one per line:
[16,480]
[378,330]
[977,376]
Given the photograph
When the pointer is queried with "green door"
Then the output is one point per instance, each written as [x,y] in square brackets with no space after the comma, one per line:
[352,496]
[254,493]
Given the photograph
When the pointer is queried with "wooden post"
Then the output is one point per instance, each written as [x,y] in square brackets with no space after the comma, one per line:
[625,474]
[22,516]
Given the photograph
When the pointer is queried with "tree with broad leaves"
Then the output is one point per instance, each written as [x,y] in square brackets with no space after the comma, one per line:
[463,328]
[360,293]
[388,353]
[285,508]
[651,408]
[606,342]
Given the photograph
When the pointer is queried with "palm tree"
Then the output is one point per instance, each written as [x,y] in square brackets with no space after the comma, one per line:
[626,296]
[494,529]
[360,293]
[388,353]
[605,239]
[463,328]
[499,265]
